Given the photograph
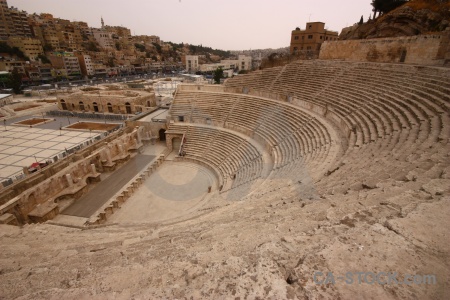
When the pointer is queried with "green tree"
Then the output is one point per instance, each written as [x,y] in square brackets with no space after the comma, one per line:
[140,47]
[44,59]
[5,48]
[111,63]
[361,21]
[48,48]
[92,46]
[15,81]
[385,6]
[158,47]
[218,74]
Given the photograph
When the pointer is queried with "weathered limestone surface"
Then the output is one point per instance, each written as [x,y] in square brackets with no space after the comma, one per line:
[422,50]
[380,205]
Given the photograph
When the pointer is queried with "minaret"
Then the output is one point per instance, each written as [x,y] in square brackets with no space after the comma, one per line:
[103,23]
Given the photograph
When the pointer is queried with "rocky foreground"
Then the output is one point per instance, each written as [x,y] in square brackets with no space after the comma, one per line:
[275,246]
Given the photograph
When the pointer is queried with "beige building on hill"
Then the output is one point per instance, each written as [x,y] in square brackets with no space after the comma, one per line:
[86,65]
[29,46]
[311,38]
[104,38]
[191,63]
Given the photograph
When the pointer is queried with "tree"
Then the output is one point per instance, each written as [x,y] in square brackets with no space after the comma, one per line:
[48,48]
[218,74]
[158,47]
[15,81]
[92,46]
[361,21]
[44,59]
[385,6]
[140,47]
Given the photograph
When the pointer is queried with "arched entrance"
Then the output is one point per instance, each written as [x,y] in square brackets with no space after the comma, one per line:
[95,106]
[162,135]
[81,104]
[110,109]
[63,104]
[128,108]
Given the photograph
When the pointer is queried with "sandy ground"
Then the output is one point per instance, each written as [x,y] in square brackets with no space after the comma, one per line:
[174,190]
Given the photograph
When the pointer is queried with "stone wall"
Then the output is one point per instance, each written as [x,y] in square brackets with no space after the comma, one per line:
[117,102]
[201,87]
[40,202]
[422,50]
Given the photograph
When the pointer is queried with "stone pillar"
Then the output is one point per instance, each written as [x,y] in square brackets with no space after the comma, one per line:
[108,156]
[69,179]
[138,135]
[93,169]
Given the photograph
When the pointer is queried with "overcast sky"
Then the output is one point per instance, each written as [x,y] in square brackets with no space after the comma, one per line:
[226,24]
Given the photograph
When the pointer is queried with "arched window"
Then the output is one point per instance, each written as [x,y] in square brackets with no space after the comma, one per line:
[63,104]
[81,105]
[110,109]
[128,108]
[95,106]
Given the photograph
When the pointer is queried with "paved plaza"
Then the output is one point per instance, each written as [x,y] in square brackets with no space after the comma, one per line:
[101,193]
[22,146]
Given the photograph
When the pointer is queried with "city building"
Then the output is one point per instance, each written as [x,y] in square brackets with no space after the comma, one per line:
[31,47]
[103,38]
[66,65]
[242,63]
[86,65]
[191,63]
[20,22]
[6,25]
[311,38]
[13,22]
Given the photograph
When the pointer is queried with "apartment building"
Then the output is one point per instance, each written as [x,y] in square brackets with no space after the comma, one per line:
[191,63]
[86,65]
[31,47]
[242,63]
[66,63]
[311,38]
[13,22]
[103,38]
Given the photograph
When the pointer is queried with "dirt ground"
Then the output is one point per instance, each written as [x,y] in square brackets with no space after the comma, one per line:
[33,121]
[25,107]
[93,126]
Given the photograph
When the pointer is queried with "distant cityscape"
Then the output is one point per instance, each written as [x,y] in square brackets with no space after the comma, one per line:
[43,48]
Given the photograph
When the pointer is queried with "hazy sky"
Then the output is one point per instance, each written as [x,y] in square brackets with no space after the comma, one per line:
[226,24]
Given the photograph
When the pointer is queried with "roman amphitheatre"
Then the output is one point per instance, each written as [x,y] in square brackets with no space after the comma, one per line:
[248,190]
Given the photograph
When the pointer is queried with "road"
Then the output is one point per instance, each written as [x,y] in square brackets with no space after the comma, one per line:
[103,191]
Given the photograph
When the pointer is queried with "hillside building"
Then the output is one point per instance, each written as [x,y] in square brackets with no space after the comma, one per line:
[311,38]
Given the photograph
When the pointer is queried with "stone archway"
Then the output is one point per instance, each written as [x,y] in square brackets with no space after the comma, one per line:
[110,109]
[162,134]
[95,106]
[128,108]
[63,104]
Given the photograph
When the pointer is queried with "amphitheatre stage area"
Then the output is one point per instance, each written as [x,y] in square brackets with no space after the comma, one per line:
[319,179]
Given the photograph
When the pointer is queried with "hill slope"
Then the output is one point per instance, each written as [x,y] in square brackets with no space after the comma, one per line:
[413,18]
